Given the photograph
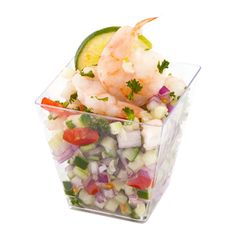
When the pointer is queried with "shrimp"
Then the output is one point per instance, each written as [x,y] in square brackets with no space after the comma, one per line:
[113,75]
[92,94]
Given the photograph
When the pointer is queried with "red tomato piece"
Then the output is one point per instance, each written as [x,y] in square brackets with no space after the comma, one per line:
[80,136]
[141,181]
[92,188]
[58,111]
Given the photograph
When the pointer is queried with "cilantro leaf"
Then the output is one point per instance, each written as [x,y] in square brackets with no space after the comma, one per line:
[70,124]
[135,87]
[129,112]
[86,109]
[105,99]
[88,74]
[73,97]
[162,66]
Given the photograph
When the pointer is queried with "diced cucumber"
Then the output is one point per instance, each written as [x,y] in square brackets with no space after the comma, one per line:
[68,188]
[86,198]
[94,158]
[56,143]
[116,127]
[112,205]
[121,198]
[82,174]
[128,189]
[71,174]
[85,120]
[131,125]
[144,194]
[109,145]
[138,163]
[125,209]
[140,209]
[159,112]
[111,168]
[74,120]
[70,124]
[81,162]
[150,157]
[130,153]
[118,185]
[86,148]
[129,139]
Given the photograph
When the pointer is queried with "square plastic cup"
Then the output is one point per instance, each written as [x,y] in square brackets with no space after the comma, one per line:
[121,168]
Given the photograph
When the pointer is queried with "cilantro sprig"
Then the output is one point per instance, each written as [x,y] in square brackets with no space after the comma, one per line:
[162,66]
[129,112]
[88,74]
[73,97]
[105,99]
[135,87]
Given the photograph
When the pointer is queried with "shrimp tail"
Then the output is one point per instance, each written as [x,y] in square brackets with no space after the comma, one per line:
[140,24]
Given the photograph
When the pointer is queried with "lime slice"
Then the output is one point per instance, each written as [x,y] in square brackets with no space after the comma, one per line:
[91,48]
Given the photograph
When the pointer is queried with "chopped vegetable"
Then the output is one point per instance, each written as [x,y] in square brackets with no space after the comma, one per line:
[82,174]
[110,146]
[111,205]
[135,87]
[86,198]
[129,112]
[130,153]
[162,66]
[68,188]
[145,41]
[88,74]
[144,194]
[81,162]
[142,181]
[140,210]
[92,188]
[73,97]
[129,139]
[70,124]
[80,136]
[105,99]
[116,127]
[89,147]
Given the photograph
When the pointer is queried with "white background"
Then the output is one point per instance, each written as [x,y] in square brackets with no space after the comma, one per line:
[37,38]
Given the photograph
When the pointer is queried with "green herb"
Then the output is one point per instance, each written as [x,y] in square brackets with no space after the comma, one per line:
[73,97]
[172,95]
[178,97]
[135,87]
[162,66]
[65,104]
[86,109]
[143,194]
[147,43]
[68,188]
[129,112]
[86,119]
[70,124]
[51,117]
[75,201]
[81,162]
[105,99]
[88,74]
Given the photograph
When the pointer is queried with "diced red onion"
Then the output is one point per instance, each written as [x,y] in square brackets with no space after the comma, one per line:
[69,168]
[169,107]
[74,147]
[100,197]
[106,161]
[67,154]
[133,200]
[155,98]
[164,90]
[144,172]
[94,167]
[95,151]
[122,175]
[102,168]
[103,178]
[77,182]
[124,162]
[108,193]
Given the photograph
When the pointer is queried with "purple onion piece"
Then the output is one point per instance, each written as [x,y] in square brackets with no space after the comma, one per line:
[164,90]
[108,193]
[67,154]
[169,107]
[103,178]
[100,197]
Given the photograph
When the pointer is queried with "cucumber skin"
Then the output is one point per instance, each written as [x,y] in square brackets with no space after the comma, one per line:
[88,38]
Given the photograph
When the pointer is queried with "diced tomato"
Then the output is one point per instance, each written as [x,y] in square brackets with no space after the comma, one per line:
[142,181]
[92,188]
[80,136]
[58,111]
